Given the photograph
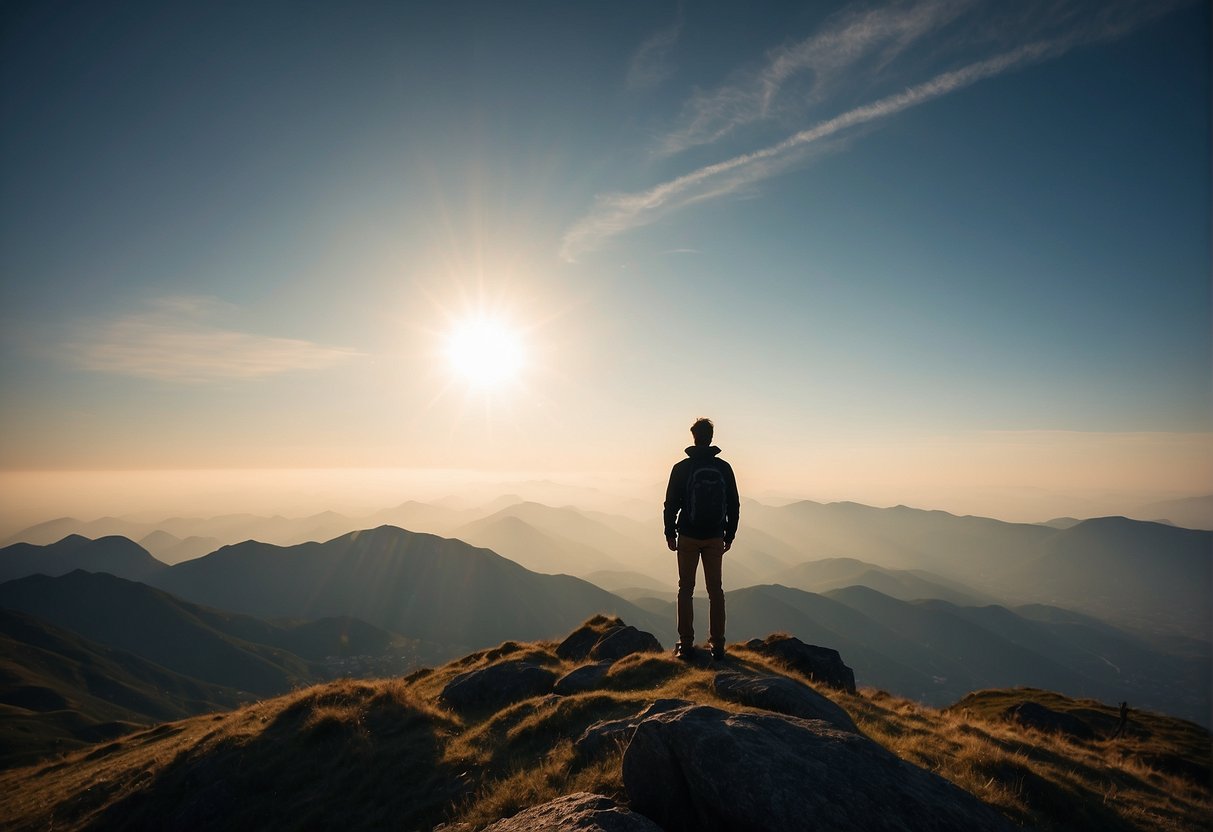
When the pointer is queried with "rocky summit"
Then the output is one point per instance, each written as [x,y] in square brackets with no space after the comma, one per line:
[604,731]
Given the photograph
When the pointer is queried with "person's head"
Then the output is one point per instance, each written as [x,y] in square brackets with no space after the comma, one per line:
[702,431]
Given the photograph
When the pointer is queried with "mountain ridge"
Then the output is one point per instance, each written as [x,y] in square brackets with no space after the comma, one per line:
[365,754]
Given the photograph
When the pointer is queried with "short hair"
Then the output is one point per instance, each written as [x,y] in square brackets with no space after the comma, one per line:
[702,431]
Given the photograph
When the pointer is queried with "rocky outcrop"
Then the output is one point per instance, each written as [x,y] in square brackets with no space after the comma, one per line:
[601,737]
[577,646]
[624,642]
[497,685]
[782,695]
[1042,718]
[703,769]
[579,812]
[581,679]
[819,664]
[606,638]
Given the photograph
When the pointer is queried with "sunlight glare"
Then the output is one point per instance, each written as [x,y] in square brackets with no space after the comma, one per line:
[485,352]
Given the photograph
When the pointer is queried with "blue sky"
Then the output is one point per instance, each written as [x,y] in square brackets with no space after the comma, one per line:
[871,240]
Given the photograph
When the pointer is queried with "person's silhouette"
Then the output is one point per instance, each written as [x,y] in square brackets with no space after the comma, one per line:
[701,509]
[1124,720]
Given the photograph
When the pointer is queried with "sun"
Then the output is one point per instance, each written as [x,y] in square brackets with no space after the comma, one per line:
[485,352]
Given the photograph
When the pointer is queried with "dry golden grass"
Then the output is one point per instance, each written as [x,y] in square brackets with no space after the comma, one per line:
[1044,780]
[385,753]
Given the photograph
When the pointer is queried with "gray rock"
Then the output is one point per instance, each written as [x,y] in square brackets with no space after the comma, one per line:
[703,769]
[820,664]
[581,679]
[1042,718]
[599,738]
[782,695]
[577,646]
[625,641]
[579,812]
[497,685]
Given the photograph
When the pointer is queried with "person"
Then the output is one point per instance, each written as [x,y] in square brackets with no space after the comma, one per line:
[701,511]
[1124,720]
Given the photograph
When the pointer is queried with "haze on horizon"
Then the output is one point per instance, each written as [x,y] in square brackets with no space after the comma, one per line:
[946,253]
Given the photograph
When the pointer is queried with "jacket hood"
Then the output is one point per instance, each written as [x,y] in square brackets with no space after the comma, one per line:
[696,450]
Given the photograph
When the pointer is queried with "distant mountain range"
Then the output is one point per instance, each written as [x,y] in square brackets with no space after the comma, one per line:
[936,651]
[439,590]
[909,631]
[1149,576]
[116,555]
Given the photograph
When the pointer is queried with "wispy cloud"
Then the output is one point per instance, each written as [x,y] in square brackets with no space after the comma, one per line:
[650,65]
[616,213]
[849,38]
[175,340]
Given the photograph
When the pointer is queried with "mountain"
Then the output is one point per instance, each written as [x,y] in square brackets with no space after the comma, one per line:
[115,555]
[1191,513]
[435,589]
[1013,563]
[908,585]
[208,644]
[935,651]
[392,753]
[1061,522]
[1097,566]
[59,691]
[1149,575]
[168,548]
[518,540]
[570,524]
[61,527]
[614,581]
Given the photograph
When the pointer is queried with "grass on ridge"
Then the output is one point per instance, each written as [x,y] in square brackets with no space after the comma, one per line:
[386,753]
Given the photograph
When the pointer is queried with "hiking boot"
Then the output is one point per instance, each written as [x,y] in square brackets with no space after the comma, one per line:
[686,652]
[718,652]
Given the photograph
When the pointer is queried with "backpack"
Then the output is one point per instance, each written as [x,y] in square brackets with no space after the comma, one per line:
[703,510]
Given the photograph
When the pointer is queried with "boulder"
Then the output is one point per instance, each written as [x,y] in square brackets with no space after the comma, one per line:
[497,685]
[782,695]
[577,646]
[625,641]
[1042,718]
[600,737]
[606,638]
[819,664]
[700,768]
[581,679]
[579,812]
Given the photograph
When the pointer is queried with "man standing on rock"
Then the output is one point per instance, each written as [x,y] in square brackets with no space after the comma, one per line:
[701,508]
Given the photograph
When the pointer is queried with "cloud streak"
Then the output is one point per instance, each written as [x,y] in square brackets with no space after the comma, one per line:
[174,342]
[848,39]
[616,213]
[650,65]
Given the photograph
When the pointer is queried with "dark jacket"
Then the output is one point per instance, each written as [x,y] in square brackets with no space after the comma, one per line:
[675,495]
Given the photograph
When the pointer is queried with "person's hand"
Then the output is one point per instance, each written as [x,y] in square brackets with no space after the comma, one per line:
[672,542]
[728,544]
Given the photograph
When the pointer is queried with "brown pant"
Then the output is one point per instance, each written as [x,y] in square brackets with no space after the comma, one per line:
[690,551]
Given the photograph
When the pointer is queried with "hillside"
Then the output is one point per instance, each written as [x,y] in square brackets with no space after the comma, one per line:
[410,754]
[59,691]
[183,637]
[217,646]
[438,590]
